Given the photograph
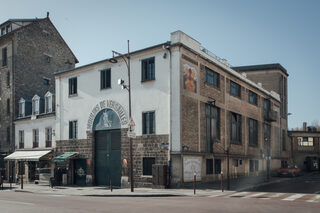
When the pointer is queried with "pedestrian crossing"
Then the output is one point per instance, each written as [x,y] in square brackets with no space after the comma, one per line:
[311,198]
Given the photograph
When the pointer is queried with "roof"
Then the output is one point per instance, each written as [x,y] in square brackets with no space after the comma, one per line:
[106,60]
[261,67]
[20,20]
[37,21]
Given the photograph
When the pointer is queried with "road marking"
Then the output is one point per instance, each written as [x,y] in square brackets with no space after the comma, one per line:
[273,196]
[239,194]
[293,197]
[17,202]
[316,197]
[216,195]
[255,195]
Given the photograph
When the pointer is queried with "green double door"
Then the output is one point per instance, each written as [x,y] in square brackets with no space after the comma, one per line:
[108,157]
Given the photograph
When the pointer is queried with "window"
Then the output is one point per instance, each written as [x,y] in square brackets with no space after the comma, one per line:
[266,107]
[21,108]
[8,106]
[253,132]
[48,102]
[147,165]
[4,57]
[48,137]
[147,69]
[254,165]
[72,86]
[36,105]
[236,163]
[305,141]
[212,126]
[35,138]
[217,166]
[3,31]
[46,81]
[148,123]
[21,139]
[8,135]
[235,89]
[253,98]
[284,137]
[105,79]
[235,128]
[73,127]
[8,28]
[8,79]
[212,77]
[209,166]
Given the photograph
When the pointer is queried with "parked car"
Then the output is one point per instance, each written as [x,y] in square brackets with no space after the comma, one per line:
[289,170]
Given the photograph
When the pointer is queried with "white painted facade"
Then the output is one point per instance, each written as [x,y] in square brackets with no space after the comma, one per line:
[146,96]
[28,125]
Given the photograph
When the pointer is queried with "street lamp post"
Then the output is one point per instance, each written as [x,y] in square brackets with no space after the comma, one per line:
[212,102]
[126,59]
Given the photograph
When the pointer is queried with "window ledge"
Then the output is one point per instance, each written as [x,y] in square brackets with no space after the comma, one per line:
[146,176]
[147,80]
[102,89]
[211,85]
[73,95]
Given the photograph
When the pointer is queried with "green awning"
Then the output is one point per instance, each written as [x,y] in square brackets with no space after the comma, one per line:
[62,158]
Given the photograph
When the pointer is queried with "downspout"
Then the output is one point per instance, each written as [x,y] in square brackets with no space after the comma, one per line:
[13,99]
[167,47]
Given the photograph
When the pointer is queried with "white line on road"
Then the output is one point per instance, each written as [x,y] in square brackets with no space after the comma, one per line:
[16,202]
[255,195]
[238,194]
[273,196]
[293,197]
[316,197]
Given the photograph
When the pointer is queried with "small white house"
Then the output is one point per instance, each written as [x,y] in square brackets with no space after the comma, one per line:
[35,139]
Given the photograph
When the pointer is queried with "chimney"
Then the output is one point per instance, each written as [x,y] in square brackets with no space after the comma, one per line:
[304,128]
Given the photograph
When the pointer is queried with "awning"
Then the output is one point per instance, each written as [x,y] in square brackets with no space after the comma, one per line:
[29,155]
[64,157]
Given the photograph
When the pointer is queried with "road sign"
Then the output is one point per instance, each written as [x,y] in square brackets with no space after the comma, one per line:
[131,134]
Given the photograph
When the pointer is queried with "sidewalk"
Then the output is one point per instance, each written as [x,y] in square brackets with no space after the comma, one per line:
[206,189]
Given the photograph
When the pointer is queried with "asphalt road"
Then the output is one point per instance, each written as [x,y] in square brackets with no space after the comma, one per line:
[309,183]
[13,202]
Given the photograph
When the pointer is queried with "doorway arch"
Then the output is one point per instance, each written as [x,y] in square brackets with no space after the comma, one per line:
[107,133]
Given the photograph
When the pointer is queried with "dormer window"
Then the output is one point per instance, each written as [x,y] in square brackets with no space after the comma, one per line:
[22,105]
[36,105]
[48,102]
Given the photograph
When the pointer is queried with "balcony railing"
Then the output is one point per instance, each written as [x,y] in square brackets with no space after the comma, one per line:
[270,115]
[48,143]
[21,145]
[35,144]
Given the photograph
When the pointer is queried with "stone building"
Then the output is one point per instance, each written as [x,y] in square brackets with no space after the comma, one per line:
[191,111]
[31,50]
[306,147]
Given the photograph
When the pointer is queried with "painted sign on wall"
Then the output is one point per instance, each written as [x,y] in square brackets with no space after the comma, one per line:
[190,78]
[191,165]
[107,104]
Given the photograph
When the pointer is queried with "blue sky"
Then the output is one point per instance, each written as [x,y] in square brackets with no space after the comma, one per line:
[244,32]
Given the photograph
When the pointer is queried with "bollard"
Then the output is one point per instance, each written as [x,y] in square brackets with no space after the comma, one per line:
[111,185]
[194,183]
[10,180]
[222,182]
